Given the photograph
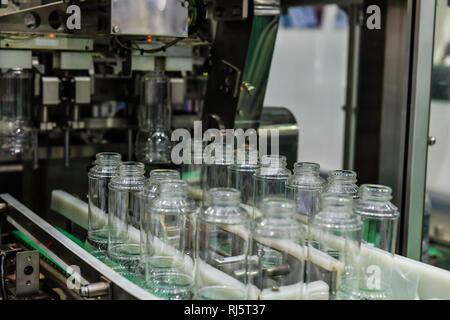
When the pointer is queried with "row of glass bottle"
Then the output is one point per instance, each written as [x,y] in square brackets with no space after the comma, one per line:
[223,249]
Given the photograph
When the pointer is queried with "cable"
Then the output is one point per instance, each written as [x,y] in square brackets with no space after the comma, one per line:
[2,276]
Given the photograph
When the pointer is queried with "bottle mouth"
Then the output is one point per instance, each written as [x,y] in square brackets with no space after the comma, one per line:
[274,161]
[108,158]
[375,192]
[307,167]
[278,207]
[336,200]
[164,174]
[171,188]
[224,196]
[132,169]
[344,175]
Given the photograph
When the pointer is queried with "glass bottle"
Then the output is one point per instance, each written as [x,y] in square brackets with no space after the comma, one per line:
[146,197]
[16,89]
[221,247]
[334,245]
[193,172]
[170,240]
[240,175]
[278,254]
[153,145]
[216,175]
[342,182]
[271,178]
[100,176]
[305,187]
[380,219]
[124,216]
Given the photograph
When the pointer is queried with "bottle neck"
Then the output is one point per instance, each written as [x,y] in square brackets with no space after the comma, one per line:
[342,177]
[108,159]
[376,193]
[131,169]
[306,169]
[274,162]
[224,197]
[172,189]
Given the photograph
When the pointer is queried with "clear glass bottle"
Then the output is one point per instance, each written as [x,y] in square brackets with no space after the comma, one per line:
[342,182]
[170,240]
[221,247]
[217,172]
[271,178]
[146,197]
[240,175]
[153,142]
[277,256]
[124,216]
[380,219]
[100,176]
[334,245]
[305,187]
[16,133]
[193,172]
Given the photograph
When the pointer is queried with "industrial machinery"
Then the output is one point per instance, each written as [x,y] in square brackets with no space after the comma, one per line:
[80,77]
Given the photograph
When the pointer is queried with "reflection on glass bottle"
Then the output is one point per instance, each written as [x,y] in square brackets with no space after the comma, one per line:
[305,187]
[342,182]
[271,178]
[221,247]
[380,218]
[146,197]
[278,254]
[124,215]
[153,144]
[16,134]
[170,242]
[334,246]
[100,176]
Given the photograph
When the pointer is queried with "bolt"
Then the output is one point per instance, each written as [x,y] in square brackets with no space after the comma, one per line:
[116,29]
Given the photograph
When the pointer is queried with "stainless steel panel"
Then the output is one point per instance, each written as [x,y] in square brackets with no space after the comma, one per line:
[50,91]
[149,17]
[27,273]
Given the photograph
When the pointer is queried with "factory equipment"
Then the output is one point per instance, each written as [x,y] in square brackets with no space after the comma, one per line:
[81,78]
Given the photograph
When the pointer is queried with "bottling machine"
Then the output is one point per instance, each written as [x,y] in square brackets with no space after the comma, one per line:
[74,79]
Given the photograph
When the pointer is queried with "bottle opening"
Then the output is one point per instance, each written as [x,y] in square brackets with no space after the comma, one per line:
[173,188]
[375,192]
[306,167]
[164,174]
[132,169]
[108,158]
[224,196]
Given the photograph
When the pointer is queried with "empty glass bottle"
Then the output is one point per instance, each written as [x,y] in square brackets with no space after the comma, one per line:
[240,175]
[334,245]
[277,256]
[305,187]
[271,178]
[221,247]
[100,176]
[343,182]
[16,91]
[153,144]
[380,218]
[193,172]
[216,175]
[124,215]
[170,241]
[146,197]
